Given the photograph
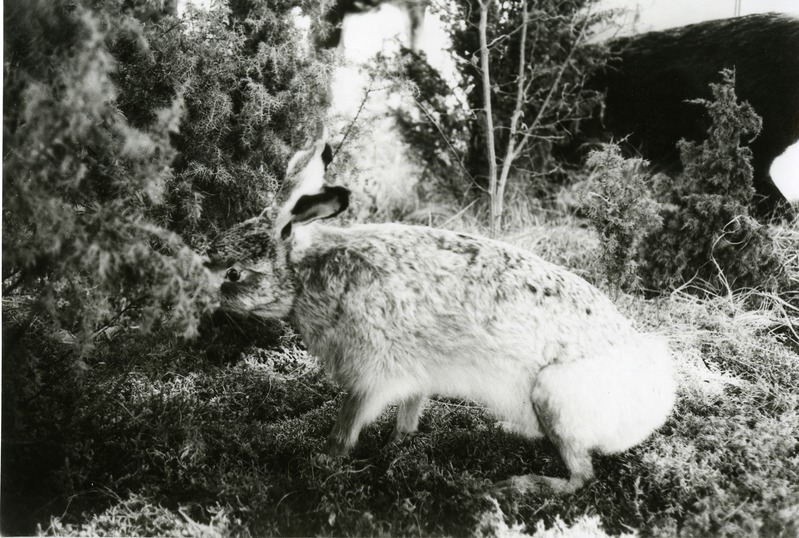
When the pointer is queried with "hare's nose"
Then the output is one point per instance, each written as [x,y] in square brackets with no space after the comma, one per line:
[227,288]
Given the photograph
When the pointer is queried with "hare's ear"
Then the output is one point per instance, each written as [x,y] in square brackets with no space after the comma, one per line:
[305,173]
[305,178]
[325,204]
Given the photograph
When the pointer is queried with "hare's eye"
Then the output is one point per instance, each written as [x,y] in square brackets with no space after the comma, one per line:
[233,275]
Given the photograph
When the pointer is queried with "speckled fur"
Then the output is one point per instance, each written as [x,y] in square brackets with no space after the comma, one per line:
[398,313]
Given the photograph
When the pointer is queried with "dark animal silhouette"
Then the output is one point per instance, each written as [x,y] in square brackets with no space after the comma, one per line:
[652,76]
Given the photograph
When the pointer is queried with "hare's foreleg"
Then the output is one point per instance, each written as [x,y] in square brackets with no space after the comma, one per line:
[357,410]
[408,414]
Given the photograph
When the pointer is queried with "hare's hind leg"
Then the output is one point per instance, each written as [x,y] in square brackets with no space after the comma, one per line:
[525,424]
[577,461]
[576,457]
[408,414]
[566,417]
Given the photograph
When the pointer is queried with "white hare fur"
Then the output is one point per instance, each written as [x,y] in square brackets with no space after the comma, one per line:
[398,313]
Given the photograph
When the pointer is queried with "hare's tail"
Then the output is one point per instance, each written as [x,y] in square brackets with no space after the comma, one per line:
[608,403]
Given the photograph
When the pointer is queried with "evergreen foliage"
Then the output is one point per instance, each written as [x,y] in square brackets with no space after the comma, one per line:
[623,211]
[708,232]
[127,143]
[251,90]
[708,237]
[79,180]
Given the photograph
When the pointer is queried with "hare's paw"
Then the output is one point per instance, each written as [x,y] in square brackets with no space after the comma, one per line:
[521,484]
[335,448]
[408,413]
[399,437]
[532,483]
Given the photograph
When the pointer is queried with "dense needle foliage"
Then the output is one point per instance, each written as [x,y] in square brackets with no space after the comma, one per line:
[125,142]
[621,207]
[709,233]
[700,231]
[131,136]
[80,180]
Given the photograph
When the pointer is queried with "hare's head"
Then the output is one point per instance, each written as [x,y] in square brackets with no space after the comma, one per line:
[248,261]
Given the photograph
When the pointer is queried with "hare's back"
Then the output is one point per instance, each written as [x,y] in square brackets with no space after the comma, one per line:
[450,290]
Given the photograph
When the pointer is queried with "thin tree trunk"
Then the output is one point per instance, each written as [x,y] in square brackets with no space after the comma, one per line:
[513,150]
[489,119]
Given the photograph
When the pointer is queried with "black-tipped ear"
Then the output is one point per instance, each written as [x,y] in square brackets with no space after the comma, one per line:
[327,155]
[324,205]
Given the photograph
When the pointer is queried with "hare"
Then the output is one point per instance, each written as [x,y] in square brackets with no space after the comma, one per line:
[397,313]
